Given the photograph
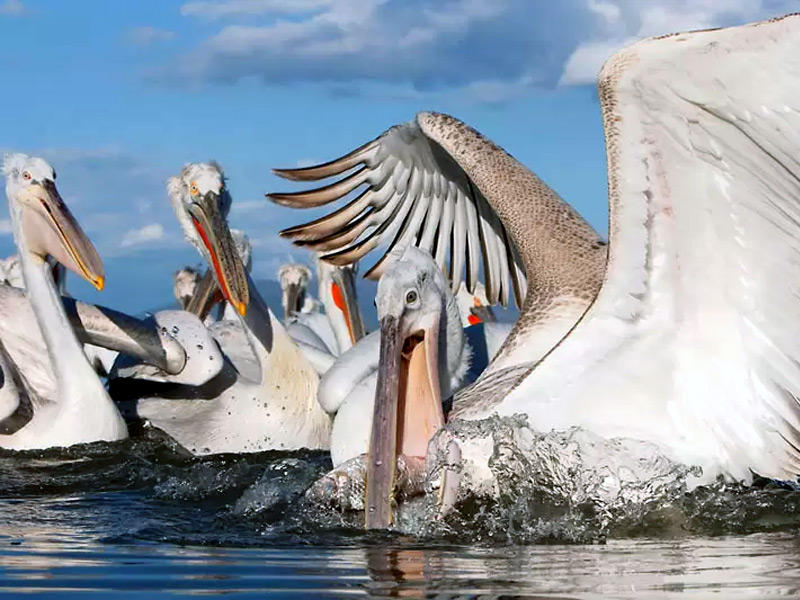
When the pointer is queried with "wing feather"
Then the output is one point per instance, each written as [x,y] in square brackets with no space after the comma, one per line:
[698,319]
[415,194]
[446,224]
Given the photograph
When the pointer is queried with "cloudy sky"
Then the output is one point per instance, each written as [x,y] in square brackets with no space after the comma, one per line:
[117,96]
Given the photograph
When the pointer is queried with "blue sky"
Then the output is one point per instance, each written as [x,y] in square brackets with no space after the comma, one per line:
[118,95]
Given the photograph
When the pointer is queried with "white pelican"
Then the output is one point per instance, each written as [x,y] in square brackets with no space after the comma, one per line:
[337,293]
[293,279]
[309,328]
[205,300]
[341,325]
[420,319]
[276,408]
[692,341]
[185,283]
[82,410]
[476,310]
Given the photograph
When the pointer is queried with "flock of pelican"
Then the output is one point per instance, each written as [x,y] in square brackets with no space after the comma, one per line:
[680,330]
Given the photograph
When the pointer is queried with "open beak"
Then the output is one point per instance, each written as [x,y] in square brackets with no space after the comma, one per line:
[225,262]
[50,229]
[408,411]
[295,297]
[343,291]
[206,295]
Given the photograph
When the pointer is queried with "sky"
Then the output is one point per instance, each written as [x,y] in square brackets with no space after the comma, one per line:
[118,96]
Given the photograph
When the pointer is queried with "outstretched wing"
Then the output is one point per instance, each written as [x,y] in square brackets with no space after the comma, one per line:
[696,328]
[407,190]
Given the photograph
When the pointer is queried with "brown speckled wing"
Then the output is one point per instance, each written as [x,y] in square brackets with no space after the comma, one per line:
[405,188]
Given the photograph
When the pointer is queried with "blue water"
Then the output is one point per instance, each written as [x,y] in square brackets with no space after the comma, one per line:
[140,517]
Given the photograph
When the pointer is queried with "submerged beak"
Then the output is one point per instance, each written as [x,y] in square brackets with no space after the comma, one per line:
[206,295]
[227,266]
[295,297]
[50,229]
[343,291]
[408,411]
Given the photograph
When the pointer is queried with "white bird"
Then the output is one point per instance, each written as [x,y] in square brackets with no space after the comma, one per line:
[204,298]
[309,328]
[341,325]
[419,319]
[82,410]
[185,283]
[293,279]
[275,409]
[692,341]
[476,310]
[99,357]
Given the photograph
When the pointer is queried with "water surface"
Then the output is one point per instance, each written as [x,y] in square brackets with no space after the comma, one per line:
[117,520]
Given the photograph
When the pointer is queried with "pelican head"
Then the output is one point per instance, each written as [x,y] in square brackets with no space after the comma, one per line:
[415,307]
[43,225]
[294,278]
[475,307]
[184,285]
[337,286]
[201,202]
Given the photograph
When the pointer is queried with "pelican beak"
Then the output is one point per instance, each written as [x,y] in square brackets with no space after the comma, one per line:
[343,292]
[51,230]
[213,230]
[295,297]
[206,295]
[480,313]
[408,411]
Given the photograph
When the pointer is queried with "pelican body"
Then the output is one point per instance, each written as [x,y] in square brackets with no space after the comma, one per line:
[82,410]
[687,338]
[421,323]
[274,407]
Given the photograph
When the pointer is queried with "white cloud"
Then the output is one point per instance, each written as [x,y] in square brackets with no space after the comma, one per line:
[608,10]
[5,227]
[12,8]
[622,22]
[136,237]
[584,64]
[231,8]
[147,36]
[481,50]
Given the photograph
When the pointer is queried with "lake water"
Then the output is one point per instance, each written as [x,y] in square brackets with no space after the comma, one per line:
[117,520]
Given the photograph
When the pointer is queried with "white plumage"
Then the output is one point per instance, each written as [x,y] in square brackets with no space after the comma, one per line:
[692,341]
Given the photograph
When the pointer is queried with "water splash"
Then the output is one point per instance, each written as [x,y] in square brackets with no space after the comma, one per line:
[568,486]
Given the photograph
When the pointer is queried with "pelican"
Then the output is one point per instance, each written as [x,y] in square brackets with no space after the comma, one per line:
[293,279]
[475,309]
[341,325]
[275,408]
[690,343]
[420,320]
[185,283]
[82,410]
[205,298]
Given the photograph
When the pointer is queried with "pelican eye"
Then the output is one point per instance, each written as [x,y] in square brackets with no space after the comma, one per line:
[411,296]
[26,175]
[193,189]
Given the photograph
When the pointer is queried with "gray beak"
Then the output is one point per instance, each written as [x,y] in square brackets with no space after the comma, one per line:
[227,266]
[295,297]
[383,440]
[206,296]
[50,229]
[346,300]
